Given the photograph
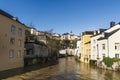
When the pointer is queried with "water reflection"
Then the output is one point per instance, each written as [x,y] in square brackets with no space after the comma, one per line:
[69,69]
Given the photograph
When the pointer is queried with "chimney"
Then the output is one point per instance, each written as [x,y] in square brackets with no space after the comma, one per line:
[112,23]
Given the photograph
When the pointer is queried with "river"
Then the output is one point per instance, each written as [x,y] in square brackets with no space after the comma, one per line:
[68,69]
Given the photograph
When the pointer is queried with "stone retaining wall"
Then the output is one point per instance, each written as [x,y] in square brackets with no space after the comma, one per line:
[114,67]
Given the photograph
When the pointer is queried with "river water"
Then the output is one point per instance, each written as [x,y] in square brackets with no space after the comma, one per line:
[68,69]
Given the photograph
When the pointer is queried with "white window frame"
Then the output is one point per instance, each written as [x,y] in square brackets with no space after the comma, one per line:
[19,54]
[11,54]
[19,42]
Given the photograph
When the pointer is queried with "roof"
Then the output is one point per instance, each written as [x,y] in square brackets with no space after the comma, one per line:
[87,32]
[5,14]
[107,35]
[100,31]
[9,16]
[102,38]
[113,32]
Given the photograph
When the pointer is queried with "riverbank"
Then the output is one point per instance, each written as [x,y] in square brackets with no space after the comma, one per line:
[18,71]
[114,67]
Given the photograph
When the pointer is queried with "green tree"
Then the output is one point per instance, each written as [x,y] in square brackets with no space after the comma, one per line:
[53,46]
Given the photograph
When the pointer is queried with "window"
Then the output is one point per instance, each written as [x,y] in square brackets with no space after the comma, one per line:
[12,29]
[19,42]
[19,31]
[19,53]
[103,46]
[116,55]
[103,55]
[29,52]
[11,54]
[93,48]
[117,46]
[94,41]
[12,41]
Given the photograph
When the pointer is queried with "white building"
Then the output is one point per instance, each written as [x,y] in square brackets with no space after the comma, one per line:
[110,44]
[94,43]
[69,36]
[33,50]
[102,48]
[33,31]
[107,44]
[42,37]
[77,50]
[114,44]
[66,36]
[56,36]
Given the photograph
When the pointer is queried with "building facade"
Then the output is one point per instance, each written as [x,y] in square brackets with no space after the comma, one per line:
[87,55]
[85,37]
[106,44]
[109,44]
[94,43]
[12,36]
[77,50]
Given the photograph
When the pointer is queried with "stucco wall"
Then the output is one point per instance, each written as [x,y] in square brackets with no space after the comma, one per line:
[5,61]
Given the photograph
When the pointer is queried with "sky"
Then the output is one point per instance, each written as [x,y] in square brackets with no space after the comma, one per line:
[64,15]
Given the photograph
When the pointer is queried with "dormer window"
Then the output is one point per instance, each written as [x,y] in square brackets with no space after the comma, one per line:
[95,32]
[98,31]
[105,34]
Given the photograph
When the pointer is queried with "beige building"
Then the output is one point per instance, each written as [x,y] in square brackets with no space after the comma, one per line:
[12,36]
[85,38]
[87,52]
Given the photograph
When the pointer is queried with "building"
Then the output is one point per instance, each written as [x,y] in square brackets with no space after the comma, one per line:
[87,54]
[70,51]
[106,44]
[109,43]
[69,36]
[66,36]
[33,31]
[12,37]
[85,37]
[35,53]
[77,50]
[42,37]
[32,35]
[56,36]
[94,43]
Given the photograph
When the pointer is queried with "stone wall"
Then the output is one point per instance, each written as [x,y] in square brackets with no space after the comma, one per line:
[114,67]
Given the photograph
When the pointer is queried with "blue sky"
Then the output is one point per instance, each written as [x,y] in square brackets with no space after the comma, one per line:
[64,15]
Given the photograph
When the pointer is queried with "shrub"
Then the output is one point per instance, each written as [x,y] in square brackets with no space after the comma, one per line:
[109,61]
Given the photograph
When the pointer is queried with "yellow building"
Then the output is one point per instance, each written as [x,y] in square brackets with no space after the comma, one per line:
[12,36]
[87,52]
[85,46]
